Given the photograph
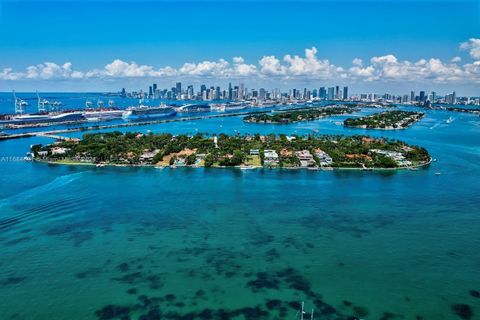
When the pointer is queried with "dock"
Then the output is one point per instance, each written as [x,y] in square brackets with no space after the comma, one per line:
[55,134]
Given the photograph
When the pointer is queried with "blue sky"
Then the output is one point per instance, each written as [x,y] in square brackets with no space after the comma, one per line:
[157,34]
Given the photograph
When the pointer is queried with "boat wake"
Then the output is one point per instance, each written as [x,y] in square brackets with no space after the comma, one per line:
[31,203]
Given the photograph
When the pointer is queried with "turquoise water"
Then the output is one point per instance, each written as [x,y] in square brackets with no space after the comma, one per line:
[143,243]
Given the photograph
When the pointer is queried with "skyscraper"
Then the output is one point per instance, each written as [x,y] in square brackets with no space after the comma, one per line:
[422,96]
[331,93]
[262,94]
[337,92]
[190,92]
[230,91]
[241,91]
[412,96]
[178,88]
[322,93]
[345,93]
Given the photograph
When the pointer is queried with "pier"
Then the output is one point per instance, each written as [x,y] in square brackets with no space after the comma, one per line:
[55,134]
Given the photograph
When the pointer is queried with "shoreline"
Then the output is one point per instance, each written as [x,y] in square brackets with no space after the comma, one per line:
[385,129]
[89,164]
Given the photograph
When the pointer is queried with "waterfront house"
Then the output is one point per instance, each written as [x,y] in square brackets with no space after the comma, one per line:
[325,159]
[59,150]
[270,157]
[147,155]
[254,152]
[306,158]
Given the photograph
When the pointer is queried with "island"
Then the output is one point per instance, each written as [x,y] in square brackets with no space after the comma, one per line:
[389,120]
[243,151]
[304,114]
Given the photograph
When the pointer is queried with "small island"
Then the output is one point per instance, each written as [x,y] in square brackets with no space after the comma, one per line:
[249,151]
[291,116]
[389,120]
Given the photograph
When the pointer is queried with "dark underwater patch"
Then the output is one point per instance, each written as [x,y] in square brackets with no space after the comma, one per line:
[464,311]
[123,267]
[263,281]
[80,237]
[92,272]
[360,311]
[11,281]
[475,293]
[113,312]
[272,254]
[132,291]
[273,304]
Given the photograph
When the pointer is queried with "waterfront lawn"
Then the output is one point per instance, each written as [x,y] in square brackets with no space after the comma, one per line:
[253,161]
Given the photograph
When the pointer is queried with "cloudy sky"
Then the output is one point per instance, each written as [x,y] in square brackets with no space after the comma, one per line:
[373,46]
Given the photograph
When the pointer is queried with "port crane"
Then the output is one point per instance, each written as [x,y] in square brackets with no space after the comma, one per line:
[19,104]
[42,104]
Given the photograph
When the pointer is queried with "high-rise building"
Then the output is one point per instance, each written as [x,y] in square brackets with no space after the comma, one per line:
[422,97]
[230,91]
[262,94]
[190,92]
[241,92]
[345,93]
[124,93]
[178,88]
[337,92]
[412,96]
[331,93]
[203,89]
[322,93]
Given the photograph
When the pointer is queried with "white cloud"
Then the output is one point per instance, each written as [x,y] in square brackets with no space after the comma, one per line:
[390,68]
[311,66]
[205,68]
[456,59]
[270,65]
[473,46]
[290,67]
[357,62]
[50,71]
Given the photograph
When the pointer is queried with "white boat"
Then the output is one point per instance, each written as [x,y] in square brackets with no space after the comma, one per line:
[99,115]
[450,120]
[146,112]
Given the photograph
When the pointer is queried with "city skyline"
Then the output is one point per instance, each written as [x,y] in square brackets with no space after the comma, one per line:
[373,54]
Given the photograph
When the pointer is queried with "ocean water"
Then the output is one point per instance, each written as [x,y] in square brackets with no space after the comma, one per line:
[143,243]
